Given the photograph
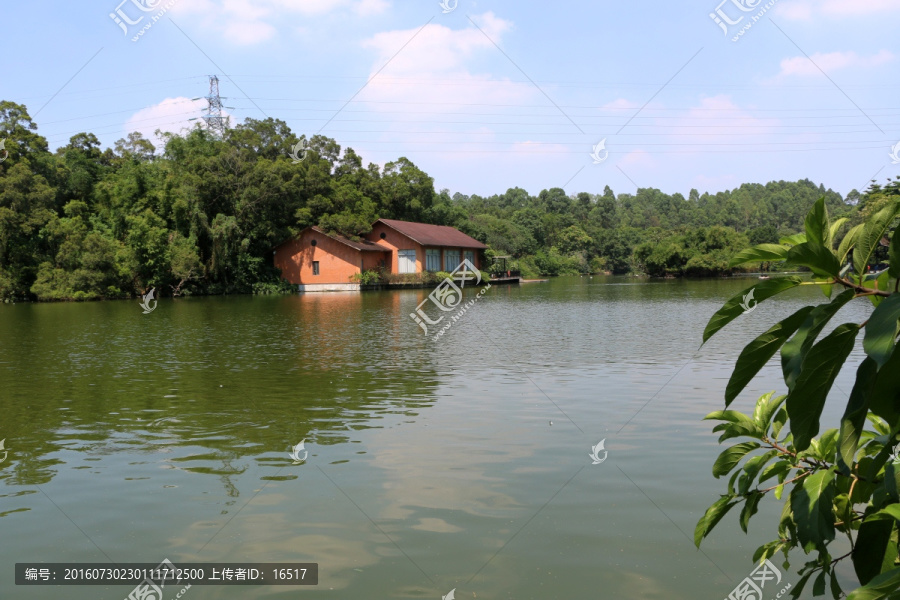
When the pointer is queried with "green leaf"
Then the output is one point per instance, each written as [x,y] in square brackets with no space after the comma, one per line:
[732,416]
[891,511]
[798,589]
[765,408]
[816,223]
[848,242]
[778,422]
[825,286]
[832,231]
[879,424]
[843,510]
[872,541]
[818,258]
[821,367]
[894,257]
[767,550]
[881,330]
[734,476]
[751,470]
[825,447]
[779,491]
[794,351]
[793,240]
[879,588]
[750,508]
[760,253]
[836,591]
[868,238]
[885,396]
[729,459]
[819,584]
[854,418]
[737,425]
[733,309]
[891,487]
[811,503]
[757,353]
[881,282]
[780,468]
[712,516]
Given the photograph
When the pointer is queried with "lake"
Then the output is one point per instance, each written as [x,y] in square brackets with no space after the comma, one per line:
[457,464]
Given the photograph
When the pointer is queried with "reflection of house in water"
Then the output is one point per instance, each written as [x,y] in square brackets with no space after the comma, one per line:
[316,261]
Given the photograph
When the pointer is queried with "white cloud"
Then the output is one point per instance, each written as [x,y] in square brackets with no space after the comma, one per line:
[621,103]
[246,34]
[637,159]
[424,91]
[687,140]
[435,49]
[830,62]
[170,115]
[365,8]
[248,22]
[804,10]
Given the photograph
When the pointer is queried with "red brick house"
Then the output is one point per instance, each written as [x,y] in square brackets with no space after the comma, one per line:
[317,261]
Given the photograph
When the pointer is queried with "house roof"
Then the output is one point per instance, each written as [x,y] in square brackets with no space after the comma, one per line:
[433,235]
[362,246]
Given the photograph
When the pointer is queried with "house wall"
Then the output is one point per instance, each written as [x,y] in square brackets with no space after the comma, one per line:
[372,260]
[394,240]
[337,261]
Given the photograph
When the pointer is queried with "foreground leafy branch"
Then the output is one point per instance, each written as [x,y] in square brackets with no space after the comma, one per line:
[844,480]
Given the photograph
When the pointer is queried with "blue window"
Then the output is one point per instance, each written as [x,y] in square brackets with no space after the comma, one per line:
[432,259]
[451,259]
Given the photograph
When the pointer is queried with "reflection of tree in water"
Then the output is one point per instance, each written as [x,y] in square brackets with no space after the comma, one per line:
[230,489]
[238,378]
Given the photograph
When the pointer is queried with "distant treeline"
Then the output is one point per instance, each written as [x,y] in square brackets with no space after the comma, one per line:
[202,215]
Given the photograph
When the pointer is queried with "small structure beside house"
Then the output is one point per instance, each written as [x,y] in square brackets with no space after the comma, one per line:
[315,261]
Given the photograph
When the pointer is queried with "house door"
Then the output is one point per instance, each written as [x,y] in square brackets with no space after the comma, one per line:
[406,261]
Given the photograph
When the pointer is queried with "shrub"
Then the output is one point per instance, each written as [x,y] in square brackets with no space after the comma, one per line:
[270,287]
[370,277]
[843,480]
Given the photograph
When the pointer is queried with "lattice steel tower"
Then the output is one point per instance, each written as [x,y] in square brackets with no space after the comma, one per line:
[215,122]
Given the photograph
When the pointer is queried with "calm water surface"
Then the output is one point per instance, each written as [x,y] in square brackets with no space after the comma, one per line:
[431,466]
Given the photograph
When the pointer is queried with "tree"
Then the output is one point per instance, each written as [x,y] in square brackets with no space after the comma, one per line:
[843,480]
[135,146]
[202,213]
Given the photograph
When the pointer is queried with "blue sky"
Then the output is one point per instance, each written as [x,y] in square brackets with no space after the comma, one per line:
[492,94]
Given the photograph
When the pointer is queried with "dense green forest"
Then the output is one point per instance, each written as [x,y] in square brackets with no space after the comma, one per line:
[202,214]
